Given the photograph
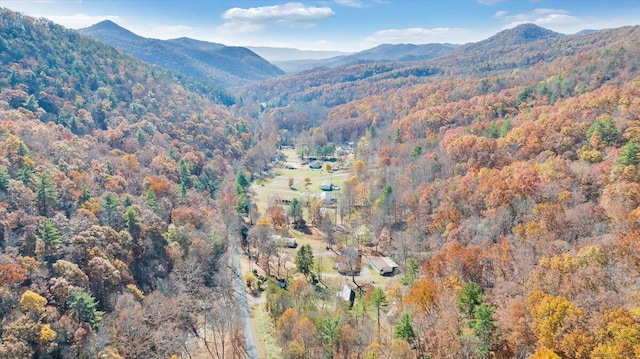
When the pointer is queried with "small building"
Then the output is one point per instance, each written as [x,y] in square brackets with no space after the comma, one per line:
[347,294]
[315,165]
[284,241]
[327,198]
[384,265]
[326,185]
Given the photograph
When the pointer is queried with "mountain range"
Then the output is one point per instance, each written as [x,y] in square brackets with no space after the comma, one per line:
[225,65]
[503,178]
[235,66]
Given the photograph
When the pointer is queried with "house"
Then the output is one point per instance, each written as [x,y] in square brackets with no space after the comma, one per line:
[284,241]
[384,265]
[326,185]
[347,294]
[327,198]
[315,165]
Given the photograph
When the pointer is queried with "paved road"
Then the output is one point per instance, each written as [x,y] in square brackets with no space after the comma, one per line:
[243,303]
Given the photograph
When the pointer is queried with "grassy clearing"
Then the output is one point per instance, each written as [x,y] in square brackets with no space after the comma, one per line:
[278,184]
[325,264]
[265,333]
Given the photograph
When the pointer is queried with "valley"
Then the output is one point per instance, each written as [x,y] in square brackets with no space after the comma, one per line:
[447,201]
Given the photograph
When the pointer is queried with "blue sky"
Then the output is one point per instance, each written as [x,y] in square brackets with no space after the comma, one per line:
[339,25]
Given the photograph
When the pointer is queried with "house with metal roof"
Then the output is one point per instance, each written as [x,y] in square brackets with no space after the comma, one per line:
[384,265]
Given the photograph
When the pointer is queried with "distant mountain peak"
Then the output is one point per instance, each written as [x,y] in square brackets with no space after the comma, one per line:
[530,32]
[108,27]
[521,34]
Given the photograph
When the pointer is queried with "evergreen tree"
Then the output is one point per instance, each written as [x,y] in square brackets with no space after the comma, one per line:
[412,272]
[82,307]
[51,238]
[379,300]
[46,194]
[404,329]
[4,178]
[329,332]
[304,259]
[110,205]
[85,196]
[629,154]
[469,297]
[483,325]
[185,174]
[606,129]
[241,180]
[132,221]
[151,199]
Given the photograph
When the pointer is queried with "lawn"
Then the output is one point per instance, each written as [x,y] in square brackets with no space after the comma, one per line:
[265,333]
[278,183]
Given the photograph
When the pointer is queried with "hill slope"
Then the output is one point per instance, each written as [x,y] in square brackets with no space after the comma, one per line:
[111,180]
[506,184]
[228,66]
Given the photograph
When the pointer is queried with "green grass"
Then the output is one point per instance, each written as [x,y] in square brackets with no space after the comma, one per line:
[278,184]
[326,264]
[265,333]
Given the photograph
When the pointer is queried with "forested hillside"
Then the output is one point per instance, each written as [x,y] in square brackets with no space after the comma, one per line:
[503,179]
[114,218]
[216,63]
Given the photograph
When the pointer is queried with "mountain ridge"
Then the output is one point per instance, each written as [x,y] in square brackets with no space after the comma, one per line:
[214,62]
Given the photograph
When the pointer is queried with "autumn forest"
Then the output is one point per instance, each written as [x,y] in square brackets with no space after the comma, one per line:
[503,178]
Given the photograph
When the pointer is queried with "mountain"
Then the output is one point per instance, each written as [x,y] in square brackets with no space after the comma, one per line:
[112,176]
[381,53]
[225,65]
[509,176]
[587,32]
[273,54]
[521,34]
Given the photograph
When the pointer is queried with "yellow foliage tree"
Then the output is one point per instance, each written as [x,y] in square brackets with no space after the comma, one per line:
[47,334]
[549,314]
[619,338]
[544,353]
[33,302]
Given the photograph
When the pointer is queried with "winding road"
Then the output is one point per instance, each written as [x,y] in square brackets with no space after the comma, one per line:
[243,304]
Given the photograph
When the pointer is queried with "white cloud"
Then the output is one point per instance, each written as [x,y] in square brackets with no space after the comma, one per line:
[554,18]
[290,14]
[500,14]
[417,35]
[78,21]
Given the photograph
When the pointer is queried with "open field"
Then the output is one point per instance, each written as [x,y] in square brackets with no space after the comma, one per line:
[277,184]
